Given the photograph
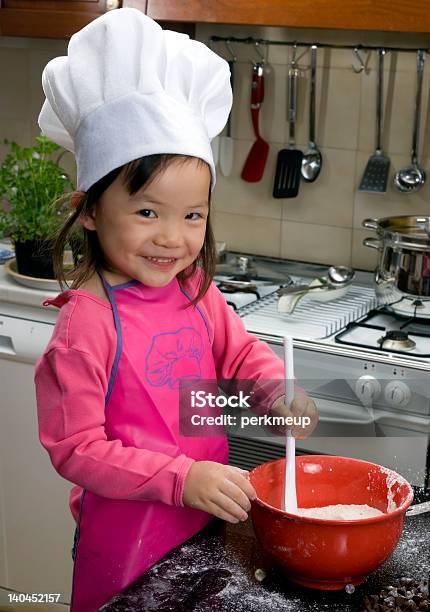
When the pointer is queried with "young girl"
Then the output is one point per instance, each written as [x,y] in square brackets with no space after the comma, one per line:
[138,106]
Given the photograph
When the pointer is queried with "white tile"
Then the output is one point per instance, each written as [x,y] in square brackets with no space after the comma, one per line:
[233,194]
[38,58]
[316,243]
[328,200]
[14,79]
[363,258]
[258,235]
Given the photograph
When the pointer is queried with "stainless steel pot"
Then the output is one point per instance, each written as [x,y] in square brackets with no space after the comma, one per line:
[404,263]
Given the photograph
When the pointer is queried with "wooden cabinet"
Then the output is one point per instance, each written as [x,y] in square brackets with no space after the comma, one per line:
[61,18]
[49,18]
[388,15]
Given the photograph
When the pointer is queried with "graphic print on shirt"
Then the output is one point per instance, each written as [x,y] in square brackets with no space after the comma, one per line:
[174,356]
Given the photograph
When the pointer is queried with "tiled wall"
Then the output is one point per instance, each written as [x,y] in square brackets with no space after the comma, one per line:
[323,224]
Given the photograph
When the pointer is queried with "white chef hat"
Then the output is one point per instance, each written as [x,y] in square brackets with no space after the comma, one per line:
[128,88]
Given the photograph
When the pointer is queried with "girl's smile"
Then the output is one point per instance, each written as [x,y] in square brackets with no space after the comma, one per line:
[163,263]
[154,234]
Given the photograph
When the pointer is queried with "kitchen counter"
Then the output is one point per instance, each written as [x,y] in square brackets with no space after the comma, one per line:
[15,293]
[214,572]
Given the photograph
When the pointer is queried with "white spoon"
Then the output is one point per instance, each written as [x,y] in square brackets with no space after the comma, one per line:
[290,494]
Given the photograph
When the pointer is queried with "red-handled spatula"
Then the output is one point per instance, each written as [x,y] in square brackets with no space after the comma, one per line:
[257,157]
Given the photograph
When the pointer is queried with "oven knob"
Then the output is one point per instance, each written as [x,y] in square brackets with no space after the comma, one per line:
[397,393]
[367,389]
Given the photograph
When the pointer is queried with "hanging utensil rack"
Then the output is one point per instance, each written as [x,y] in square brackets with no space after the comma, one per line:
[250,40]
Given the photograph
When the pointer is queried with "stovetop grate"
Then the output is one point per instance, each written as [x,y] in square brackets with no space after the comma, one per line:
[367,332]
[311,320]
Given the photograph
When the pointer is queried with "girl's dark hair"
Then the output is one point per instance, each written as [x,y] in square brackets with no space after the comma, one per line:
[137,173]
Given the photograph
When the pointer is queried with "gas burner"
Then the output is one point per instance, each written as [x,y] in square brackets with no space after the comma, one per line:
[235,286]
[396,340]
[383,330]
[239,292]
[411,307]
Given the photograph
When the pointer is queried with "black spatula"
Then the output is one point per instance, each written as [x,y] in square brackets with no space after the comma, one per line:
[375,175]
[289,162]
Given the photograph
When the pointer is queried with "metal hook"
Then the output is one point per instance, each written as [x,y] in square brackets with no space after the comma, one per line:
[362,64]
[293,59]
[261,55]
[228,45]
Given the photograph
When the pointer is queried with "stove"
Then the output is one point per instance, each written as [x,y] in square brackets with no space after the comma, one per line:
[409,306]
[311,320]
[384,330]
[365,361]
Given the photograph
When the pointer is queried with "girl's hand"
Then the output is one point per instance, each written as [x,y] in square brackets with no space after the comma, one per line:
[221,490]
[301,406]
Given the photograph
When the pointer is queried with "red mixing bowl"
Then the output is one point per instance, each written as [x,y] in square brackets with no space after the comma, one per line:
[328,554]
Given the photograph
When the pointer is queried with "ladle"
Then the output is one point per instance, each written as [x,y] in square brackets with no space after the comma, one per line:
[290,494]
[337,276]
[312,159]
[412,178]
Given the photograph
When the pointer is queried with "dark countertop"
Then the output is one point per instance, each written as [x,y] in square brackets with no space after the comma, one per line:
[214,572]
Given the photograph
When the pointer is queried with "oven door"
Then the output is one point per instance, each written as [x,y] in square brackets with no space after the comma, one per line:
[397,439]
[399,442]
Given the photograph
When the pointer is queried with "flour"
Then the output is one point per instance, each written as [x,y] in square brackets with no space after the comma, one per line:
[340,512]
[394,481]
[351,512]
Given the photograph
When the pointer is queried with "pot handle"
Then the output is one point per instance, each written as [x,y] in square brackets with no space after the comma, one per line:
[425,222]
[370,223]
[372,243]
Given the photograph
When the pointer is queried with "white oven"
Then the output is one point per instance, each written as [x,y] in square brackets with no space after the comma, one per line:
[373,404]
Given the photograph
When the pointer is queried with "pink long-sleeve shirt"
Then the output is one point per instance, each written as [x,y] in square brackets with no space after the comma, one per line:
[72,378]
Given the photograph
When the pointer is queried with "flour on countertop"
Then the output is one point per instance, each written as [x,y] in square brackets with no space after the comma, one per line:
[201,576]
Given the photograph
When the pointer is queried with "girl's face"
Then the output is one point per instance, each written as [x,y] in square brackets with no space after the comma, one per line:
[159,231]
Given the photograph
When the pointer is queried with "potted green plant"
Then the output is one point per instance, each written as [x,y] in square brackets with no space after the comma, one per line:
[31,208]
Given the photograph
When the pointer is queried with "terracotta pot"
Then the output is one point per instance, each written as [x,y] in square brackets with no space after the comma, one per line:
[328,554]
